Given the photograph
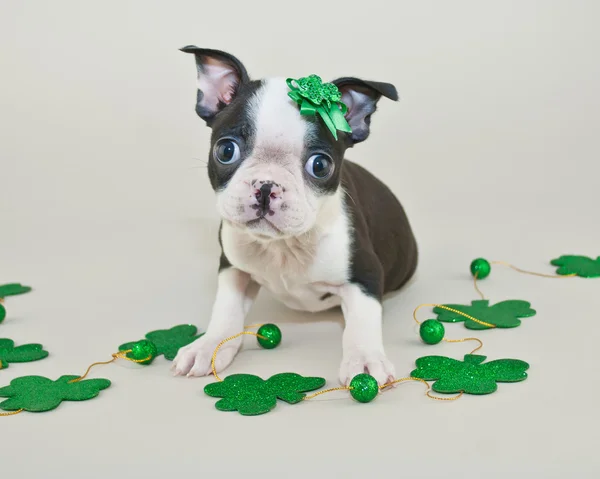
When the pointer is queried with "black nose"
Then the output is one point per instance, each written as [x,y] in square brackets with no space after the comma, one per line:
[263,195]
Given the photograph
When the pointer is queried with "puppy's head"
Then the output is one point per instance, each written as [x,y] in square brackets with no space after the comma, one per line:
[274,170]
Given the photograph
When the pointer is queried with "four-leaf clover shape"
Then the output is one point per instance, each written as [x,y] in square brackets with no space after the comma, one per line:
[505,314]
[251,395]
[39,394]
[469,376]
[20,354]
[579,265]
[169,341]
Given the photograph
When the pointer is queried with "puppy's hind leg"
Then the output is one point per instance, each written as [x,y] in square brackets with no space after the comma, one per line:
[235,294]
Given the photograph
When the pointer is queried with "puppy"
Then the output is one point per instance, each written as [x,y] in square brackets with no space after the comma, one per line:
[298,219]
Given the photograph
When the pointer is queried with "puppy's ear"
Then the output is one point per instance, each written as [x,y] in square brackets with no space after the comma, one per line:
[361,97]
[219,77]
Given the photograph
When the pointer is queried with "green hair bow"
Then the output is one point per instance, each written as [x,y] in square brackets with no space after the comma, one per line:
[314,97]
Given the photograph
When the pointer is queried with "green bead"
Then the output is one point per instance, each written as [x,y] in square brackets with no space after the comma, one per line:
[364,387]
[432,331]
[143,349]
[271,336]
[2,313]
[481,267]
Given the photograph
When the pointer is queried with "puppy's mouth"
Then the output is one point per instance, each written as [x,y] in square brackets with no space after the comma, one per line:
[261,223]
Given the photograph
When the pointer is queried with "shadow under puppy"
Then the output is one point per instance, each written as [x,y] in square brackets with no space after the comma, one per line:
[298,219]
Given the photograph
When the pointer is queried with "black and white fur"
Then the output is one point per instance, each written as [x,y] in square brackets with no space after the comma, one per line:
[314,243]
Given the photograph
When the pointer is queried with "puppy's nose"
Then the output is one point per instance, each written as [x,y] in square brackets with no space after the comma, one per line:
[263,196]
[266,193]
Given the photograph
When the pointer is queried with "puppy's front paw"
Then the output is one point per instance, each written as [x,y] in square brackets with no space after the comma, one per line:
[373,362]
[195,358]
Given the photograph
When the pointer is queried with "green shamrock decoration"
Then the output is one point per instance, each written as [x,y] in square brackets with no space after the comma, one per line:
[251,395]
[505,314]
[314,97]
[39,394]
[13,289]
[579,265]
[468,376]
[20,354]
[169,341]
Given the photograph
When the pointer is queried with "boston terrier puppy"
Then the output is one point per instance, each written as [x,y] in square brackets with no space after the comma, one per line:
[298,219]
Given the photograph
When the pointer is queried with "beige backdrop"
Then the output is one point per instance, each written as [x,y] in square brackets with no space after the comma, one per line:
[106,210]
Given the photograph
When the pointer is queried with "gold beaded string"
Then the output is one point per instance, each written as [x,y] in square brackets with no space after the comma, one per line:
[456,311]
[387,385]
[477,287]
[519,270]
[11,413]
[230,338]
[115,356]
[325,391]
[532,273]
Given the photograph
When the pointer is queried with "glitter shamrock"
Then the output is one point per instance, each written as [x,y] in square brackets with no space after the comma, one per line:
[13,289]
[505,314]
[39,394]
[469,376]
[313,96]
[169,341]
[577,265]
[251,395]
[20,354]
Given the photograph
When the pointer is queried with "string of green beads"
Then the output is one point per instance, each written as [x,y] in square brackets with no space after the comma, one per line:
[432,331]
[364,388]
[481,268]
[143,350]
[269,336]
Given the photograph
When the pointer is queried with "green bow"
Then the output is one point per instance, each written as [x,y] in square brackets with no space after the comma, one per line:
[314,97]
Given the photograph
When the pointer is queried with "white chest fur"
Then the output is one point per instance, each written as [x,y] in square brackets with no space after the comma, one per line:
[297,271]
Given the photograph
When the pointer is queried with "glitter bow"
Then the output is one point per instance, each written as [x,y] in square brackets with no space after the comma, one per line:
[314,97]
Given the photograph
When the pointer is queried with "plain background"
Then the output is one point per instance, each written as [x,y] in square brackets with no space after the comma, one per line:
[105,208]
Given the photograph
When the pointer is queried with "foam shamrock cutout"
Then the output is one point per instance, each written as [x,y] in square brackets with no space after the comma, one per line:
[579,265]
[505,314]
[20,354]
[469,376]
[13,289]
[39,394]
[169,341]
[251,395]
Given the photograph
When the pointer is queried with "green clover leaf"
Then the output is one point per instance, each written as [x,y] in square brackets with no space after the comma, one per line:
[2,313]
[251,395]
[39,394]
[169,341]
[579,265]
[13,289]
[469,376]
[505,314]
[20,354]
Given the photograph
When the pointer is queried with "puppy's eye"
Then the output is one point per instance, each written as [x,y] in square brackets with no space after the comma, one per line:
[319,166]
[227,151]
